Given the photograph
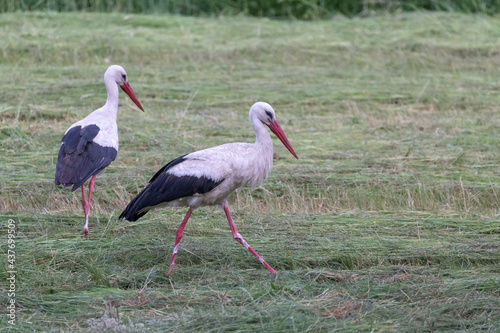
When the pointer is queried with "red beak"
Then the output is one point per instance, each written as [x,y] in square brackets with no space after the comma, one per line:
[128,89]
[276,128]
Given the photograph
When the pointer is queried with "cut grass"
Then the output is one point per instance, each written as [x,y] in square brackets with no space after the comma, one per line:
[386,271]
[388,222]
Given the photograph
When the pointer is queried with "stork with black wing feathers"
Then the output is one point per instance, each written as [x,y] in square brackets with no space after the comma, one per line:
[91,144]
[208,176]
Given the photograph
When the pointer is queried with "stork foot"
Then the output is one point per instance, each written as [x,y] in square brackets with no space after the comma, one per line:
[85,233]
[239,239]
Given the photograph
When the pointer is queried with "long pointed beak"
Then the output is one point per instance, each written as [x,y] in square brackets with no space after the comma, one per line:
[128,89]
[276,128]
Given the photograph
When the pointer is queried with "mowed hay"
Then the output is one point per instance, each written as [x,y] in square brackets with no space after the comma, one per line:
[388,222]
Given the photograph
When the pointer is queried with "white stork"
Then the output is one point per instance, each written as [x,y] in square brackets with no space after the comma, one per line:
[91,144]
[208,176]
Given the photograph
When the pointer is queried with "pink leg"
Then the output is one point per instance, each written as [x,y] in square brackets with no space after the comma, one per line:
[237,236]
[85,206]
[91,186]
[178,236]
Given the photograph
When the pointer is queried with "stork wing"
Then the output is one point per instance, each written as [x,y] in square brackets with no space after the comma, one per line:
[166,186]
[80,158]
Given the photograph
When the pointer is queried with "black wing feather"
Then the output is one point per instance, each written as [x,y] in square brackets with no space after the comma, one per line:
[80,158]
[165,187]
[87,134]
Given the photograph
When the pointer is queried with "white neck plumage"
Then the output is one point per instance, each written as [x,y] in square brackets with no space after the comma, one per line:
[111,105]
[264,151]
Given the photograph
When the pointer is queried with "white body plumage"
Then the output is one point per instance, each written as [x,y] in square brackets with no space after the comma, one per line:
[105,119]
[237,164]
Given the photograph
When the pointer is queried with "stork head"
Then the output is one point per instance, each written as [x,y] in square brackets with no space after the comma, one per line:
[265,113]
[117,73]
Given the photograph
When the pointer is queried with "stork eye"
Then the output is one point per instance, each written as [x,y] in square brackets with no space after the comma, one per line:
[124,76]
[270,115]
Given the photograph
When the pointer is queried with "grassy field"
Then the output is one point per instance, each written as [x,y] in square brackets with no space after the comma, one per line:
[387,223]
[290,9]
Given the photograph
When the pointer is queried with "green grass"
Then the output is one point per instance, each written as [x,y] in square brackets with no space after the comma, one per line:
[290,9]
[387,223]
